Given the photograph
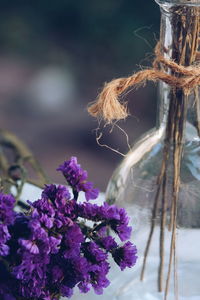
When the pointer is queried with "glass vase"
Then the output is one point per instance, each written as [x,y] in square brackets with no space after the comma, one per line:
[158,180]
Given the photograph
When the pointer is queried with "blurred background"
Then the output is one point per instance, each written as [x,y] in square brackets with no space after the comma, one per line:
[54,58]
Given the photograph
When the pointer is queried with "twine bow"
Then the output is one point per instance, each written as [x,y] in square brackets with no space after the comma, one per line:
[108,106]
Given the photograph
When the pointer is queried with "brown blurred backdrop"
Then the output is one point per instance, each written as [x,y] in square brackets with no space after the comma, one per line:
[54,58]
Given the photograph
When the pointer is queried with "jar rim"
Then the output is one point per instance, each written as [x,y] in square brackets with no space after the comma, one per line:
[179,2]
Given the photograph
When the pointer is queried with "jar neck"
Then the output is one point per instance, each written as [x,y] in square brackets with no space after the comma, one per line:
[179,2]
[179,39]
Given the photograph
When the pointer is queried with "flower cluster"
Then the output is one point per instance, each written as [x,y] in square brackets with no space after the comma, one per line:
[6,218]
[77,178]
[48,250]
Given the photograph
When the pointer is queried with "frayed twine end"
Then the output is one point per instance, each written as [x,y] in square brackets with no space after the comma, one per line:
[108,107]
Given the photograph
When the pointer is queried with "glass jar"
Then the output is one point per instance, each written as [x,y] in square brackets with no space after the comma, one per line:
[158,180]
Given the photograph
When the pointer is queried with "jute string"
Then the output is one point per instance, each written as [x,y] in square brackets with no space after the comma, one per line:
[108,107]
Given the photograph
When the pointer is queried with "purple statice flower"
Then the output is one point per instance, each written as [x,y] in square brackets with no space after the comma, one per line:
[58,194]
[41,241]
[108,243]
[125,256]
[30,246]
[66,291]
[117,219]
[57,273]
[31,275]
[34,253]
[97,270]
[80,266]
[84,286]
[42,212]
[93,252]
[58,198]
[7,216]
[69,273]
[4,237]
[73,239]
[89,211]
[122,228]
[34,256]
[98,277]
[52,248]
[111,215]
[77,178]
[44,206]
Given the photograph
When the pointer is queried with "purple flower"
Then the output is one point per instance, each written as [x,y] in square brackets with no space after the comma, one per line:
[112,216]
[57,274]
[84,286]
[30,246]
[31,274]
[89,211]
[44,206]
[7,214]
[93,252]
[40,241]
[108,243]
[77,178]
[51,249]
[66,291]
[56,194]
[118,220]
[81,266]
[7,217]
[125,256]
[57,208]
[122,228]
[73,240]
[4,237]
[98,276]
[54,243]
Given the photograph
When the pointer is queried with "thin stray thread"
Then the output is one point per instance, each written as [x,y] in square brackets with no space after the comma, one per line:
[100,134]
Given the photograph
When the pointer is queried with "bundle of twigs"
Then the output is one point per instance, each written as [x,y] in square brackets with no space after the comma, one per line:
[177,72]
[185,24]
